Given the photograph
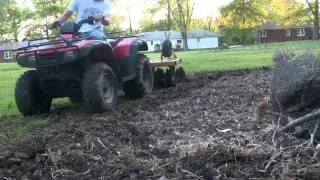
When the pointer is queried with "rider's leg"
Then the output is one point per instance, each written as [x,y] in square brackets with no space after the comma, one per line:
[97,34]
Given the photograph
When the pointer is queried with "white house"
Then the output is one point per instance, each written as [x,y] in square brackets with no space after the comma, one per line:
[197,39]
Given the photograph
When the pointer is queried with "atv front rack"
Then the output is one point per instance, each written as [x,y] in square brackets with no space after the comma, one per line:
[58,40]
[49,56]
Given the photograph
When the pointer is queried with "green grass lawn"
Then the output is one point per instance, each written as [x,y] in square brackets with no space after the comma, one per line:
[9,73]
[252,56]
[227,60]
[194,61]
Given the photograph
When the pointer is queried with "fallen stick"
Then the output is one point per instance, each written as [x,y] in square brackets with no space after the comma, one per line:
[300,120]
[192,174]
[314,133]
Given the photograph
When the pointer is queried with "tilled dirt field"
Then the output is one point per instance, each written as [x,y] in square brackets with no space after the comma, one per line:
[202,129]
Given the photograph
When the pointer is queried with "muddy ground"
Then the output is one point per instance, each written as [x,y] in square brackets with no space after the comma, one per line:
[202,129]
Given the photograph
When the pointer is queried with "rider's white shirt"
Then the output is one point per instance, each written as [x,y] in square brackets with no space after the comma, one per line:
[86,8]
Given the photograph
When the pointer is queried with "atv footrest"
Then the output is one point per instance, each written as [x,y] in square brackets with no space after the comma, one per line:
[165,63]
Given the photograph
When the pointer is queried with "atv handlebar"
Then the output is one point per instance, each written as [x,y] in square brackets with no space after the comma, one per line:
[55,25]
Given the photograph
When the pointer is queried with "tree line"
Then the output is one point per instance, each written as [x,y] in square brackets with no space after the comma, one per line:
[237,21]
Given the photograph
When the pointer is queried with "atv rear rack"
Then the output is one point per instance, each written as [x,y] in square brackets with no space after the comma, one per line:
[165,63]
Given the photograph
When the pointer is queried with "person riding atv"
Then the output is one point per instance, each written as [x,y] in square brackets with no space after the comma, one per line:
[99,10]
[90,70]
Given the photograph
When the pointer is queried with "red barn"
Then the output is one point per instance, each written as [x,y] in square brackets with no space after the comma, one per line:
[273,33]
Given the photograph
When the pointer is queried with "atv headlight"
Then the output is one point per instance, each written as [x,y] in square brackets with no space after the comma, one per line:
[31,58]
[69,55]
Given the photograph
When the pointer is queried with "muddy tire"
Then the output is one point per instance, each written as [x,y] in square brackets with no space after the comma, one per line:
[76,99]
[160,78]
[170,76]
[143,82]
[100,88]
[179,75]
[30,99]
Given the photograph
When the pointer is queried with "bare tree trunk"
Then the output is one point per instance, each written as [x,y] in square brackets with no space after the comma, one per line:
[185,40]
[169,17]
[130,24]
[315,12]
[181,12]
[16,37]
[46,29]
[316,20]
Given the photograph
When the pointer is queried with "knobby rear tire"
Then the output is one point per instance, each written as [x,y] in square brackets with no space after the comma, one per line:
[142,84]
[76,99]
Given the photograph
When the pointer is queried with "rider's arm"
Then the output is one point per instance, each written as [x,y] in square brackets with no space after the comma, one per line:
[105,19]
[61,19]
[73,6]
[64,16]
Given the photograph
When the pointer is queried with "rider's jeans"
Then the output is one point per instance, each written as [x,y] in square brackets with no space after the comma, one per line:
[96,34]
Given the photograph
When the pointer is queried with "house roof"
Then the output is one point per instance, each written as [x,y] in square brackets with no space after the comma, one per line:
[159,35]
[201,33]
[195,33]
[12,46]
[271,26]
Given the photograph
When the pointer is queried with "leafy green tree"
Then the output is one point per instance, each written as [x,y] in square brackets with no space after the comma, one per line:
[127,6]
[243,16]
[46,12]
[182,12]
[4,6]
[207,23]
[294,14]
[178,15]
[16,17]
[147,24]
[12,20]
[115,24]
[168,6]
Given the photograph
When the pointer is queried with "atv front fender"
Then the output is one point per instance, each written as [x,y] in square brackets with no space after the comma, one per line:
[101,51]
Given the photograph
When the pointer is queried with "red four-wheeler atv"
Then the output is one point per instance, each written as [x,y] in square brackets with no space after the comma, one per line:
[83,69]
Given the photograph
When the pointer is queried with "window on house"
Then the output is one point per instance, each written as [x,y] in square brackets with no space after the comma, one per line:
[198,40]
[263,34]
[300,32]
[288,32]
[8,55]
[179,41]
[151,42]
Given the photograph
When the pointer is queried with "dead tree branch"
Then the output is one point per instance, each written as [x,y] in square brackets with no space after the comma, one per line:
[314,133]
[300,120]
